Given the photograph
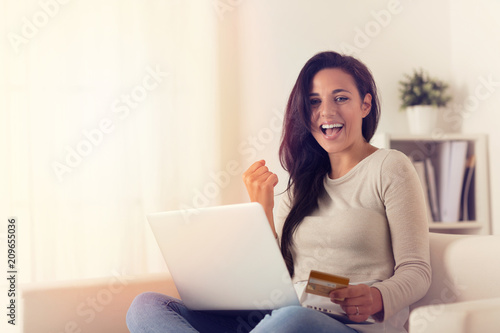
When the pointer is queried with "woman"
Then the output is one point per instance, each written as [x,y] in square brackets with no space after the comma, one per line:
[351,209]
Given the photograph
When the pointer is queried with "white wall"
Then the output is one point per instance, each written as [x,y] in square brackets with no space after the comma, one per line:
[475,51]
[274,40]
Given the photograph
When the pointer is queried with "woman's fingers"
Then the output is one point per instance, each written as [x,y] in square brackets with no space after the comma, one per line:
[260,183]
[258,174]
[350,292]
[254,167]
[355,300]
[273,179]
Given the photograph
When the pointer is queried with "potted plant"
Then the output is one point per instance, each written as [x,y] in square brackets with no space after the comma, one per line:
[422,97]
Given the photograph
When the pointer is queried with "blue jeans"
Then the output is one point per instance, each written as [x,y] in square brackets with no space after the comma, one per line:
[153,312]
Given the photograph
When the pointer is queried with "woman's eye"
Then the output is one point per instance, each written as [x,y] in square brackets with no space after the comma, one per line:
[341,99]
[314,102]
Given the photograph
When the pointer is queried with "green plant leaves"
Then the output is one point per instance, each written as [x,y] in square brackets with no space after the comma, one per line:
[420,89]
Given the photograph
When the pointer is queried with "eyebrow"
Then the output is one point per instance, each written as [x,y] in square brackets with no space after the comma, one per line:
[333,92]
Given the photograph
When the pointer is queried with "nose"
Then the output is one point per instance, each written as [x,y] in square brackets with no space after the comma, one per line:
[328,110]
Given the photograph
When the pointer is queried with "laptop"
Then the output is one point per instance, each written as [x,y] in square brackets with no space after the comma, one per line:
[224,258]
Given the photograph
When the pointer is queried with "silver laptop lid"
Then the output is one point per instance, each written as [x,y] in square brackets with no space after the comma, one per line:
[224,258]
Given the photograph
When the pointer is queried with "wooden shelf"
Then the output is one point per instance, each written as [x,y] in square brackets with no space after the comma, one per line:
[455,225]
[422,147]
[429,138]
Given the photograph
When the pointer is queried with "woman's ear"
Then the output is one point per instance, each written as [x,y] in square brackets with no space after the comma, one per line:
[366,106]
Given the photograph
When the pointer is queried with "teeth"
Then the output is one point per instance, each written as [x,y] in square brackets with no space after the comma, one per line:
[331,126]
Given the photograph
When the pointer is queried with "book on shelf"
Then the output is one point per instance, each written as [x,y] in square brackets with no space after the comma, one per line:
[420,168]
[452,158]
[448,187]
[431,184]
[468,204]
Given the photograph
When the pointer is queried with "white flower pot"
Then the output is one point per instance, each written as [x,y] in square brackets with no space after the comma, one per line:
[422,119]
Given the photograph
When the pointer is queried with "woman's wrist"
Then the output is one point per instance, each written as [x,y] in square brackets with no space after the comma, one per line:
[378,304]
[270,219]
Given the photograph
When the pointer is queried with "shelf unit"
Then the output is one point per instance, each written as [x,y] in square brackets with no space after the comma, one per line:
[419,147]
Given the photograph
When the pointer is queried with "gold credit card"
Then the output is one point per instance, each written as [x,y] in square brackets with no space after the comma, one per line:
[322,284]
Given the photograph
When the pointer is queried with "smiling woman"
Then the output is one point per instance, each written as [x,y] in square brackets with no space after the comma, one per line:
[343,194]
[337,111]
[350,209]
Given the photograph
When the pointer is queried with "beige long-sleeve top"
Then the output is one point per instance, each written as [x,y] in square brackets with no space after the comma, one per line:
[370,225]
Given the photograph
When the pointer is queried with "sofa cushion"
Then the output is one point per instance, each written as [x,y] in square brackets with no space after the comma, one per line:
[462,317]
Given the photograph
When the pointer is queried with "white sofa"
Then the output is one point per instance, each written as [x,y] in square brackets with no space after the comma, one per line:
[465,292]
[464,295]
[86,306]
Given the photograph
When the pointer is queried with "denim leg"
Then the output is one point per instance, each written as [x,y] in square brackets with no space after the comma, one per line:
[298,319]
[153,312]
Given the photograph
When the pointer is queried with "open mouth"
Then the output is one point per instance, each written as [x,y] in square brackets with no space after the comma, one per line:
[331,129]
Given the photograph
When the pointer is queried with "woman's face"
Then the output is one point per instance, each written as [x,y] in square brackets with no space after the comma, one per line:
[337,110]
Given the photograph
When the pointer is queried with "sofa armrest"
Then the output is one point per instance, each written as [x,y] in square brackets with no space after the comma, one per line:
[88,305]
[461,317]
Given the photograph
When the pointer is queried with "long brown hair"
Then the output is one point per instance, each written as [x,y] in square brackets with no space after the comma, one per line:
[305,160]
